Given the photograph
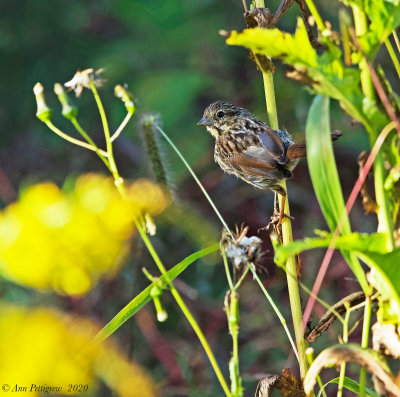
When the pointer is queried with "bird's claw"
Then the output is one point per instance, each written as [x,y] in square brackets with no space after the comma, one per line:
[276,222]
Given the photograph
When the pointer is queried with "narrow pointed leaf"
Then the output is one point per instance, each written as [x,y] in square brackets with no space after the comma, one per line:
[324,176]
[144,297]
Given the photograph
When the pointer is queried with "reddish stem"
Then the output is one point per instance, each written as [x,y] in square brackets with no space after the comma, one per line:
[350,202]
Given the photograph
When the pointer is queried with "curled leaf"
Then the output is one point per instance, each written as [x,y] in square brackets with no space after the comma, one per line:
[339,354]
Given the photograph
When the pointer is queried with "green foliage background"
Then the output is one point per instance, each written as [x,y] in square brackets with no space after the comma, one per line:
[174,61]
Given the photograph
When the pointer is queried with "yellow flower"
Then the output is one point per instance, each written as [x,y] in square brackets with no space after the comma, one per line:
[42,349]
[67,241]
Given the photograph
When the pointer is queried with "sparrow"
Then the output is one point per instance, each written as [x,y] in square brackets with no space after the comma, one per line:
[251,150]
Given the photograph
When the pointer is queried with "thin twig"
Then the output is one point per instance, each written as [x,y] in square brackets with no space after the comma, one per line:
[121,127]
[73,140]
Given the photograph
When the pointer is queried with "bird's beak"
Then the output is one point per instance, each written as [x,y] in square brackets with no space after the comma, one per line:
[205,121]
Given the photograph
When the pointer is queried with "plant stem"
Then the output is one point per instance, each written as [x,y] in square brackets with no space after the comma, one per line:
[153,253]
[396,39]
[232,311]
[278,313]
[85,135]
[113,166]
[393,56]
[73,140]
[345,340]
[287,236]
[361,27]
[315,14]
[184,309]
[364,341]
[269,90]
[226,266]
[121,127]
[177,151]
[310,359]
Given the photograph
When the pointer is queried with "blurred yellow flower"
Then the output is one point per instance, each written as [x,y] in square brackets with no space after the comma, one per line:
[67,241]
[42,349]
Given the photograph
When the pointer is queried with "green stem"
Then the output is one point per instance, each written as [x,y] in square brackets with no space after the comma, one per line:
[73,140]
[361,27]
[226,266]
[342,374]
[233,323]
[310,359]
[85,135]
[152,251]
[293,287]
[113,166]
[345,340]
[384,217]
[166,137]
[276,310]
[242,277]
[315,14]
[393,56]
[396,39]
[184,309]
[364,342]
[269,90]
[121,127]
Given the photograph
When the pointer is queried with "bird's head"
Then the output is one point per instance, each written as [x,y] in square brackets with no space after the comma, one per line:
[219,117]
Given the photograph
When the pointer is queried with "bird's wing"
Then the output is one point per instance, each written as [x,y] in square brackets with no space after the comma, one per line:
[272,143]
[256,165]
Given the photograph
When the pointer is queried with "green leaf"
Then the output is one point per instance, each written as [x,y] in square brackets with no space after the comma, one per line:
[374,243]
[385,17]
[326,73]
[322,165]
[324,176]
[275,43]
[351,385]
[144,297]
[385,278]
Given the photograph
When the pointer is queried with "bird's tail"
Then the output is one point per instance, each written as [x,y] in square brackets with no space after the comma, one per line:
[298,150]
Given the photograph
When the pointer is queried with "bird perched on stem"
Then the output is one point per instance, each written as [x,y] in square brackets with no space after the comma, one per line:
[251,150]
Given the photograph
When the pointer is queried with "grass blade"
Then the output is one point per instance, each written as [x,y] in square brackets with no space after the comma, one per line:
[144,297]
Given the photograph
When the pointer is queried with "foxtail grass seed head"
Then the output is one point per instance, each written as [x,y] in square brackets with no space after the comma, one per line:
[126,97]
[43,113]
[69,110]
[150,138]
[82,79]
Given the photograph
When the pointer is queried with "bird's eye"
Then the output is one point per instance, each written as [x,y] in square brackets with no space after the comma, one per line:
[220,114]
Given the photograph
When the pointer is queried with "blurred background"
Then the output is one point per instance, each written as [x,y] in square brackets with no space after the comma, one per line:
[175,63]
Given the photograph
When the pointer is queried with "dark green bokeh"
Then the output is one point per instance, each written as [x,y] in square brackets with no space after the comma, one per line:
[175,63]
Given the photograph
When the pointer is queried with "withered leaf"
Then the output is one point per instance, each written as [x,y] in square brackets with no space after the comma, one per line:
[286,383]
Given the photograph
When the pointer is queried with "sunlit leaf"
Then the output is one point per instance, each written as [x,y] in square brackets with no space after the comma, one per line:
[326,73]
[144,297]
[351,385]
[385,17]
[385,278]
[324,176]
[354,241]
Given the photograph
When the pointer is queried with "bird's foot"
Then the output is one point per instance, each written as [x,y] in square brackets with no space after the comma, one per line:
[276,222]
